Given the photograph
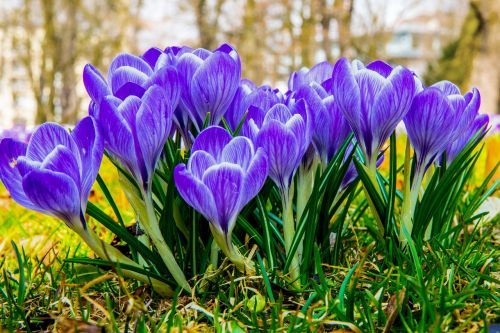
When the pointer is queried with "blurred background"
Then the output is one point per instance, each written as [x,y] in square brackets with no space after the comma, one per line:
[44,44]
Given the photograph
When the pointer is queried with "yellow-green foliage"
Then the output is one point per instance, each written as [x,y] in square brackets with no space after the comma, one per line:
[39,233]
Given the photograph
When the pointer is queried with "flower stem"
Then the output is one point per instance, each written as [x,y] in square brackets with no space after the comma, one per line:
[107,252]
[142,203]
[305,185]
[289,230]
[371,170]
[410,195]
[226,245]
[151,226]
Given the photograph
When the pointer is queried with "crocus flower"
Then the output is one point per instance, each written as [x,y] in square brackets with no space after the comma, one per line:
[374,99]
[134,109]
[319,73]
[209,82]
[222,175]
[438,116]
[285,135]
[54,172]
[479,124]
[256,104]
[330,128]
[135,130]
[130,75]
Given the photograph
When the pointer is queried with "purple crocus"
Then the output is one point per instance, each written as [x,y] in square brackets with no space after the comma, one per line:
[374,99]
[134,109]
[249,95]
[319,73]
[135,130]
[330,128]
[439,115]
[54,172]
[285,135]
[222,175]
[479,124]
[130,75]
[209,81]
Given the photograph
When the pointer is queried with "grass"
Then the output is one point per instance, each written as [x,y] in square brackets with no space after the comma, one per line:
[438,286]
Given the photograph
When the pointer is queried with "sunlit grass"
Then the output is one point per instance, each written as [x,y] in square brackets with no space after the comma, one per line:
[459,284]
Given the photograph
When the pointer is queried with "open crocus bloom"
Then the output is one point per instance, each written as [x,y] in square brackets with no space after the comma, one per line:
[222,175]
[54,172]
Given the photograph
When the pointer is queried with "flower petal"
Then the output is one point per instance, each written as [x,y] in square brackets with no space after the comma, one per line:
[320,72]
[89,141]
[282,151]
[63,161]
[54,193]
[117,136]
[213,139]
[10,151]
[199,162]
[391,106]
[46,138]
[214,85]
[381,67]
[447,87]
[167,78]
[151,56]
[346,92]
[153,122]
[95,84]
[238,151]
[225,182]
[430,123]
[186,67]
[279,112]
[128,60]
[195,193]
[255,176]
[125,75]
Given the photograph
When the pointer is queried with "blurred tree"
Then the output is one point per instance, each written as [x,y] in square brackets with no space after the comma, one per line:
[207,16]
[472,59]
[455,63]
[53,38]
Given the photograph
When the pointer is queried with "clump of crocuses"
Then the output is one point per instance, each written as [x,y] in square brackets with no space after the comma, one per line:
[184,118]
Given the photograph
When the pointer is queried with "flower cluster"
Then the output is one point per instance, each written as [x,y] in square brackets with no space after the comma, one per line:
[234,134]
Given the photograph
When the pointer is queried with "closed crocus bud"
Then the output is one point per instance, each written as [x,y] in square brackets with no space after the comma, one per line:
[285,135]
[135,130]
[478,126]
[330,129]
[373,99]
[209,81]
[439,115]
[466,109]
[54,172]
[222,175]
[249,95]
